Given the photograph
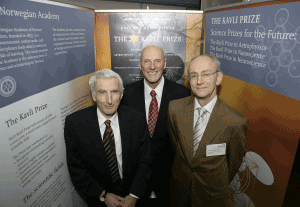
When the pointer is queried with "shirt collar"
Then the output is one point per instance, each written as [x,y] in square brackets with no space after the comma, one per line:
[208,107]
[102,119]
[158,90]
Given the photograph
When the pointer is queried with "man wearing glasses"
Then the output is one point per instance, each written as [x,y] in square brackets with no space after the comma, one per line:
[209,139]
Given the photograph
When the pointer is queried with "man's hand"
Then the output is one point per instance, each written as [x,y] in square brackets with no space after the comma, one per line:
[129,201]
[113,200]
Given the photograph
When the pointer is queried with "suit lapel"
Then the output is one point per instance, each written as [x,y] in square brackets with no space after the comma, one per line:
[123,124]
[164,104]
[165,99]
[212,129]
[187,128]
[93,128]
[139,97]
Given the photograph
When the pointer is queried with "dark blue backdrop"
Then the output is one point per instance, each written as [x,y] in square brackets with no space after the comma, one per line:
[20,82]
[272,60]
[131,32]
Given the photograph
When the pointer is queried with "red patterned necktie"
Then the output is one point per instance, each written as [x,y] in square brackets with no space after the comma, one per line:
[153,113]
[110,150]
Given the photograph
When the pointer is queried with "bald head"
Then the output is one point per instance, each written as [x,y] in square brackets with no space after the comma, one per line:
[208,59]
[204,78]
[152,48]
[152,64]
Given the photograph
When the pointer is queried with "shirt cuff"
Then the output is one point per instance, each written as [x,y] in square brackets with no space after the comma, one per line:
[134,196]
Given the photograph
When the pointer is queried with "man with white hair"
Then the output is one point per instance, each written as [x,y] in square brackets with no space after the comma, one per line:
[108,146]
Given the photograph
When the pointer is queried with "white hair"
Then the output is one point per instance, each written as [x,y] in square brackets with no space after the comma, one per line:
[105,73]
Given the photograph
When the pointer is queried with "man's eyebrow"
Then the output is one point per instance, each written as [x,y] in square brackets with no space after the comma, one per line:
[205,71]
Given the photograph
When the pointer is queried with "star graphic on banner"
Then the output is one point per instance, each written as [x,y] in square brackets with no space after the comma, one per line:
[134,39]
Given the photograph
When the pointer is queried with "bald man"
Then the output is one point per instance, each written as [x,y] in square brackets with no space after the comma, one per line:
[152,96]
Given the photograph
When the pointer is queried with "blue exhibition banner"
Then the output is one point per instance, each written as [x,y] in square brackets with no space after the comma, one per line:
[258,45]
[131,32]
[42,46]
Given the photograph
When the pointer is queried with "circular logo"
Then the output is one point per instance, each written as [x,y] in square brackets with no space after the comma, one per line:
[7,86]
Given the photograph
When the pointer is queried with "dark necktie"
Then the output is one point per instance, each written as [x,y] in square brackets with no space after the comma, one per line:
[110,150]
[153,113]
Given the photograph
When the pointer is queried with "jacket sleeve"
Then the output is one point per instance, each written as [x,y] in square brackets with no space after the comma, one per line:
[80,177]
[172,128]
[236,149]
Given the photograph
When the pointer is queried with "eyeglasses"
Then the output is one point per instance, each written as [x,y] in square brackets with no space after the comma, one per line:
[204,76]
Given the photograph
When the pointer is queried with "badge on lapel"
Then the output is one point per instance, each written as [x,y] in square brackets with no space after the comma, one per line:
[215,149]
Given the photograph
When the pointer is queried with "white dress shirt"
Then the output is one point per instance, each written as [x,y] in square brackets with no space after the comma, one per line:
[148,98]
[208,107]
[117,135]
[114,123]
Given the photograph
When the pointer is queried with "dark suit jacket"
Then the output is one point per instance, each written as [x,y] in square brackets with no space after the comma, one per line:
[86,158]
[203,179]
[160,142]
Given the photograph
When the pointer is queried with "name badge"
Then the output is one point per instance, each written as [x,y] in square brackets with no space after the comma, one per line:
[215,149]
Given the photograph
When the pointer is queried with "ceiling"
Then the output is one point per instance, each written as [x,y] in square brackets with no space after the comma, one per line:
[106,5]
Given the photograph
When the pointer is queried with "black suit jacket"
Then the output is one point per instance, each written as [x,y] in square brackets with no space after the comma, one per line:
[162,153]
[86,158]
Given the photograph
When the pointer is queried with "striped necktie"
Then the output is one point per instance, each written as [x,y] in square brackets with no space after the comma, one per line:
[110,150]
[199,128]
